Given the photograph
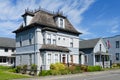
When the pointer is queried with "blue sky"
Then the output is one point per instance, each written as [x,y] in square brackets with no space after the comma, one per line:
[94,18]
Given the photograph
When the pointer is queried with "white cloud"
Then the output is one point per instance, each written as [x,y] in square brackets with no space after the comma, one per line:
[10,11]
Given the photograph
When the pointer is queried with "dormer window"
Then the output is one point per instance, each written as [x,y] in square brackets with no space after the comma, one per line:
[27,17]
[61,23]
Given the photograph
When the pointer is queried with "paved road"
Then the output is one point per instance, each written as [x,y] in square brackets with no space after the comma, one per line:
[104,75]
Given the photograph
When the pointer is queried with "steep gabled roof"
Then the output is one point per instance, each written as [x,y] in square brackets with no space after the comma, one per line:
[7,42]
[47,19]
[88,43]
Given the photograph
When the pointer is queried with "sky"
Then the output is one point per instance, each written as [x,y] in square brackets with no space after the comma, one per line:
[93,18]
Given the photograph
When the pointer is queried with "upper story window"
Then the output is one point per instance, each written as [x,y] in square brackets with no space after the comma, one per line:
[100,47]
[71,42]
[20,41]
[6,49]
[48,39]
[117,44]
[30,38]
[61,23]
[54,39]
[13,50]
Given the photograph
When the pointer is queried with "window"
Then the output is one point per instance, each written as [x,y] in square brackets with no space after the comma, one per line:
[54,41]
[43,61]
[117,44]
[30,41]
[71,42]
[13,50]
[117,56]
[30,38]
[20,43]
[56,58]
[100,47]
[86,59]
[6,49]
[49,39]
[61,22]
[71,58]
[59,38]
[49,59]
[97,58]
[3,59]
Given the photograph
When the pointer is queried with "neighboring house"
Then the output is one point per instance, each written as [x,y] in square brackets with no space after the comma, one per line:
[113,44]
[46,38]
[7,49]
[93,52]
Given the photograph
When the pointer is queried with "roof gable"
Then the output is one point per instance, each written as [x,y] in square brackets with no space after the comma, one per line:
[88,43]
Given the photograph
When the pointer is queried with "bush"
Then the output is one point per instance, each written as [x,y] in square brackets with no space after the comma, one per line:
[45,73]
[94,68]
[24,69]
[33,69]
[57,66]
[84,68]
[18,69]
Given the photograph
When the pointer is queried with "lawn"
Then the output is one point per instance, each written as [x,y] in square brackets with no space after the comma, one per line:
[6,75]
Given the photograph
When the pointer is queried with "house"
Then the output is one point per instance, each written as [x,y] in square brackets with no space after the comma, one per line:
[113,45]
[94,52]
[45,38]
[7,49]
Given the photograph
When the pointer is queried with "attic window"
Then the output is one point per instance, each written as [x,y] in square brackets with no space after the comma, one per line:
[61,22]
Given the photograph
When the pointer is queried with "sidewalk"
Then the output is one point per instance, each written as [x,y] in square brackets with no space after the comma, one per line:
[70,75]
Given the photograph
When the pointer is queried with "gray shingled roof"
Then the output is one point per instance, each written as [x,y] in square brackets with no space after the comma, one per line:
[47,19]
[7,42]
[54,48]
[88,43]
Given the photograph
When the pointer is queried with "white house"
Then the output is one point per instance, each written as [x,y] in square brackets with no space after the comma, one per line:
[46,38]
[113,45]
[94,52]
[7,49]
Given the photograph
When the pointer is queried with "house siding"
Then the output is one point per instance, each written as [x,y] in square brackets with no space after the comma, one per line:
[113,50]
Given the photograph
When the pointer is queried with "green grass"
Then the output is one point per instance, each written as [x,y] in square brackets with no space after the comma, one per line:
[6,75]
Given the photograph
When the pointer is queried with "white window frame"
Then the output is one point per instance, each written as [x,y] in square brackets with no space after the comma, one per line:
[56,58]
[49,58]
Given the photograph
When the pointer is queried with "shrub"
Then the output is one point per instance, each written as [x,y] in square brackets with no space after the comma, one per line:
[94,68]
[33,69]
[84,68]
[18,69]
[24,69]
[57,66]
[72,69]
[45,73]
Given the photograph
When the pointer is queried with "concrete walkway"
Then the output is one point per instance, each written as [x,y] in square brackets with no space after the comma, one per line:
[70,75]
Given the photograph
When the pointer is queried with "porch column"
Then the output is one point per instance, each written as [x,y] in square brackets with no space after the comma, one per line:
[100,60]
[93,55]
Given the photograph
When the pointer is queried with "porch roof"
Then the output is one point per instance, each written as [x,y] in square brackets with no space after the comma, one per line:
[101,53]
[54,48]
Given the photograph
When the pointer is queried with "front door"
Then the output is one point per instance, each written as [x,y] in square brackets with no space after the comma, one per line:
[63,58]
